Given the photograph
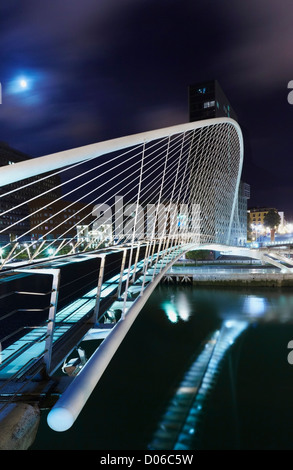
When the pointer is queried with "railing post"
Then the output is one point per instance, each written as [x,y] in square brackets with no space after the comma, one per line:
[121,272]
[52,317]
[38,249]
[165,251]
[60,246]
[74,247]
[99,287]
[153,252]
[145,266]
[9,254]
[135,264]
[157,259]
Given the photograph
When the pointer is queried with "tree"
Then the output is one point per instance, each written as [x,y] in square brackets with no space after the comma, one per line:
[272,219]
[199,255]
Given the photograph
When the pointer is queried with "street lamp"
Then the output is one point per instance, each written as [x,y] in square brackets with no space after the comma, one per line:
[253,226]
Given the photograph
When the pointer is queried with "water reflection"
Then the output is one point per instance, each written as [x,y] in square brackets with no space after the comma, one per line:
[255,306]
[177,308]
[261,306]
[173,339]
[236,310]
[180,425]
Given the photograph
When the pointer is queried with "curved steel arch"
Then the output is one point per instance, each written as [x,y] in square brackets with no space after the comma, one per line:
[214,167]
[36,166]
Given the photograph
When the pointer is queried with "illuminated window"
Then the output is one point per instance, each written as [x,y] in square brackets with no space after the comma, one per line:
[209,104]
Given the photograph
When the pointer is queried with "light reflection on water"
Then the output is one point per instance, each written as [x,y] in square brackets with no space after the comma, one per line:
[267,306]
[236,310]
[177,308]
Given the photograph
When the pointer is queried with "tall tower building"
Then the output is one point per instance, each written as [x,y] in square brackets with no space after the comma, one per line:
[207,100]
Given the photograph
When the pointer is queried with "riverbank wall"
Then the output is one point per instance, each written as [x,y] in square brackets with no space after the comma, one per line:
[231,279]
[245,280]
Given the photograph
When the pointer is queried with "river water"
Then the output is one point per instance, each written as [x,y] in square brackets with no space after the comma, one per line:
[249,404]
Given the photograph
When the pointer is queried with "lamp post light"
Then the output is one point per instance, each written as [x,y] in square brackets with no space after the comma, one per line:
[253,226]
[260,229]
[50,251]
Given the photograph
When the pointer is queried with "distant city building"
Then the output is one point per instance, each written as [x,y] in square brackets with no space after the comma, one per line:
[16,222]
[58,219]
[207,100]
[44,209]
[9,156]
[257,215]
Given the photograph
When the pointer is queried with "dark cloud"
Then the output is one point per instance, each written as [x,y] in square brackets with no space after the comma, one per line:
[109,68]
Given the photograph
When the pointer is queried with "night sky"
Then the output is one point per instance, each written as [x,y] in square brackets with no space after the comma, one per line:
[92,70]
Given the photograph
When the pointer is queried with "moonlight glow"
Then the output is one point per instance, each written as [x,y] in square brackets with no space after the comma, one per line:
[23,83]
[25,87]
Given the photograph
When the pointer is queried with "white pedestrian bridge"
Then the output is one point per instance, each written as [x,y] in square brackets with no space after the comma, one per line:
[86,236]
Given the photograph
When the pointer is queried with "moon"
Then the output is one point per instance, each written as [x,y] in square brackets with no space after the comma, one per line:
[23,83]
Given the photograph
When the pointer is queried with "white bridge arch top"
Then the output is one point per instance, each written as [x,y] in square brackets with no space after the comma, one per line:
[37,166]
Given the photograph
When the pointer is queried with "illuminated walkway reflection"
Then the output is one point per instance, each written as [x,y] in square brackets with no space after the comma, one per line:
[181,422]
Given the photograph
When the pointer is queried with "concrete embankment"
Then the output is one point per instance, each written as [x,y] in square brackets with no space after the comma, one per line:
[232,279]
[238,280]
